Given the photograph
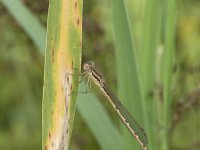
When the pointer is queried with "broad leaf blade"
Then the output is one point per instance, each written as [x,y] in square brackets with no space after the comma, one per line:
[62,58]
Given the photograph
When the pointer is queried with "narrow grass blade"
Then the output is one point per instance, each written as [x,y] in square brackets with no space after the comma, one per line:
[29,22]
[127,68]
[167,68]
[147,54]
[62,56]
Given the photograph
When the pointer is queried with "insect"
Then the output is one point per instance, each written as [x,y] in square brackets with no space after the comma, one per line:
[127,119]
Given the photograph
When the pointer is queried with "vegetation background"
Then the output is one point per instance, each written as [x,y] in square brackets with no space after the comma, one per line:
[21,73]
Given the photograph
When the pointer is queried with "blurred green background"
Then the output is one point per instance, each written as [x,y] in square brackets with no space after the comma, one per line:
[21,73]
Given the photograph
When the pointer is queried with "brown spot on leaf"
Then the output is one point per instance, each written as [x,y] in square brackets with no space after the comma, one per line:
[67,79]
[75,4]
[72,64]
[52,54]
[78,21]
[80,44]
[66,106]
[49,135]
[45,147]
[52,112]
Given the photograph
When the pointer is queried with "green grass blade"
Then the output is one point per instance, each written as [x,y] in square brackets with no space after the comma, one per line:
[28,22]
[127,71]
[147,54]
[167,70]
[63,54]
[99,122]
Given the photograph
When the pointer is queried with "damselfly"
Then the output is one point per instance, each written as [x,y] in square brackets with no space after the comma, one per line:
[127,119]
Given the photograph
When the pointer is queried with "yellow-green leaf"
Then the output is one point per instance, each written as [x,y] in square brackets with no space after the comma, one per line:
[62,67]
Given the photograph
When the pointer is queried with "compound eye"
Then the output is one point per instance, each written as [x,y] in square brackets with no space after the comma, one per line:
[91,64]
[88,65]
